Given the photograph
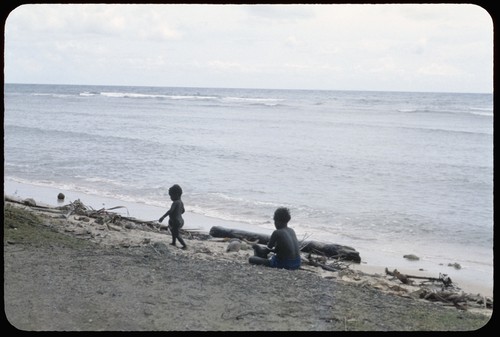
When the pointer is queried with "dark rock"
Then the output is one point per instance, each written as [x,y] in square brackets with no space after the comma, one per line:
[411,257]
[30,202]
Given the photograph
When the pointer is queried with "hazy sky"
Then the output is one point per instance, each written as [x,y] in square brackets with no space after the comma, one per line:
[434,47]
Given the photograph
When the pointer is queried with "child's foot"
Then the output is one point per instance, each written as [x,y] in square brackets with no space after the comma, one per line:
[184,247]
[173,244]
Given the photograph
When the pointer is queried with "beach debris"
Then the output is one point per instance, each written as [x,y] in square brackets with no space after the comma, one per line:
[447,293]
[229,233]
[402,277]
[234,245]
[444,278]
[330,250]
[102,216]
[162,227]
[128,224]
[112,227]
[455,265]
[78,207]
[411,257]
[461,300]
[29,202]
[322,261]
[60,196]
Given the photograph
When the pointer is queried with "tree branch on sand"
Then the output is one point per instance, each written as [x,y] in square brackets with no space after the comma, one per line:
[321,261]
[447,295]
[445,279]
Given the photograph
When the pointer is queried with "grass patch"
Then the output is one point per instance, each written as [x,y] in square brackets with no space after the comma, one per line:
[23,226]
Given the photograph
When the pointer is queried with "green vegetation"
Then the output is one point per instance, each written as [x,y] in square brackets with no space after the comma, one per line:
[22,226]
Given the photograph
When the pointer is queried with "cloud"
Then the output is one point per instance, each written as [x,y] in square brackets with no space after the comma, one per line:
[160,32]
[436,69]
[292,41]
[280,12]
[318,46]
[98,20]
[225,66]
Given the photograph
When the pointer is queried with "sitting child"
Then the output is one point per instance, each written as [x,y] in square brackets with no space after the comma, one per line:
[283,243]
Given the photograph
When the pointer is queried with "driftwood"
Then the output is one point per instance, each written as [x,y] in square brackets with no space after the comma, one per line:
[322,265]
[404,278]
[451,296]
[461,300]
[326,249]
[104,216]
[222,232]
[321,261]
[332,250]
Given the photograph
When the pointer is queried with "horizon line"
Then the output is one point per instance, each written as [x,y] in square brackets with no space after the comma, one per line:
[248,88]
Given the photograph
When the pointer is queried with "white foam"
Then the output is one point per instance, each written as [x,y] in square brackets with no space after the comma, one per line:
[47,195]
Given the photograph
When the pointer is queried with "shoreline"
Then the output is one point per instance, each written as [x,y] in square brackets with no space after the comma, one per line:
[120,275]
[465,279]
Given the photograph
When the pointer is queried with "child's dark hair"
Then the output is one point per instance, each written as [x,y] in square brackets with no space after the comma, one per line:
[175,191]
[282,215]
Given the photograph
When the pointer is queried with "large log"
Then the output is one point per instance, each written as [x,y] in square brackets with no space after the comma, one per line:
[327,249]
[332,250]
[222,232]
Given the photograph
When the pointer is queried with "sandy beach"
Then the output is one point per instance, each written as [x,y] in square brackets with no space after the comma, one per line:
[79,274]
[373,260]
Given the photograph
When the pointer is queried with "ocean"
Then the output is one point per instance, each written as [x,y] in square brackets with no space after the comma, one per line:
[388,173]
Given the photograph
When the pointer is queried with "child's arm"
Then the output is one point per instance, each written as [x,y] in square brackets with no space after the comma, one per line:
[170,211]
[272,241]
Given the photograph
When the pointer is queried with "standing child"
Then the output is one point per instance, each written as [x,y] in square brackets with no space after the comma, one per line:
[175,212]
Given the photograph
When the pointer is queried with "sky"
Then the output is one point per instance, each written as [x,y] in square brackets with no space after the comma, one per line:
[386,47]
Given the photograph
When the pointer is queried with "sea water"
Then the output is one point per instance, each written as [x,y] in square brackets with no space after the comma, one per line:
[389,173]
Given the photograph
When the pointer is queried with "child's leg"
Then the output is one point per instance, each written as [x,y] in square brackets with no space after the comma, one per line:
[259,260]
[181,241]
[175,233]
